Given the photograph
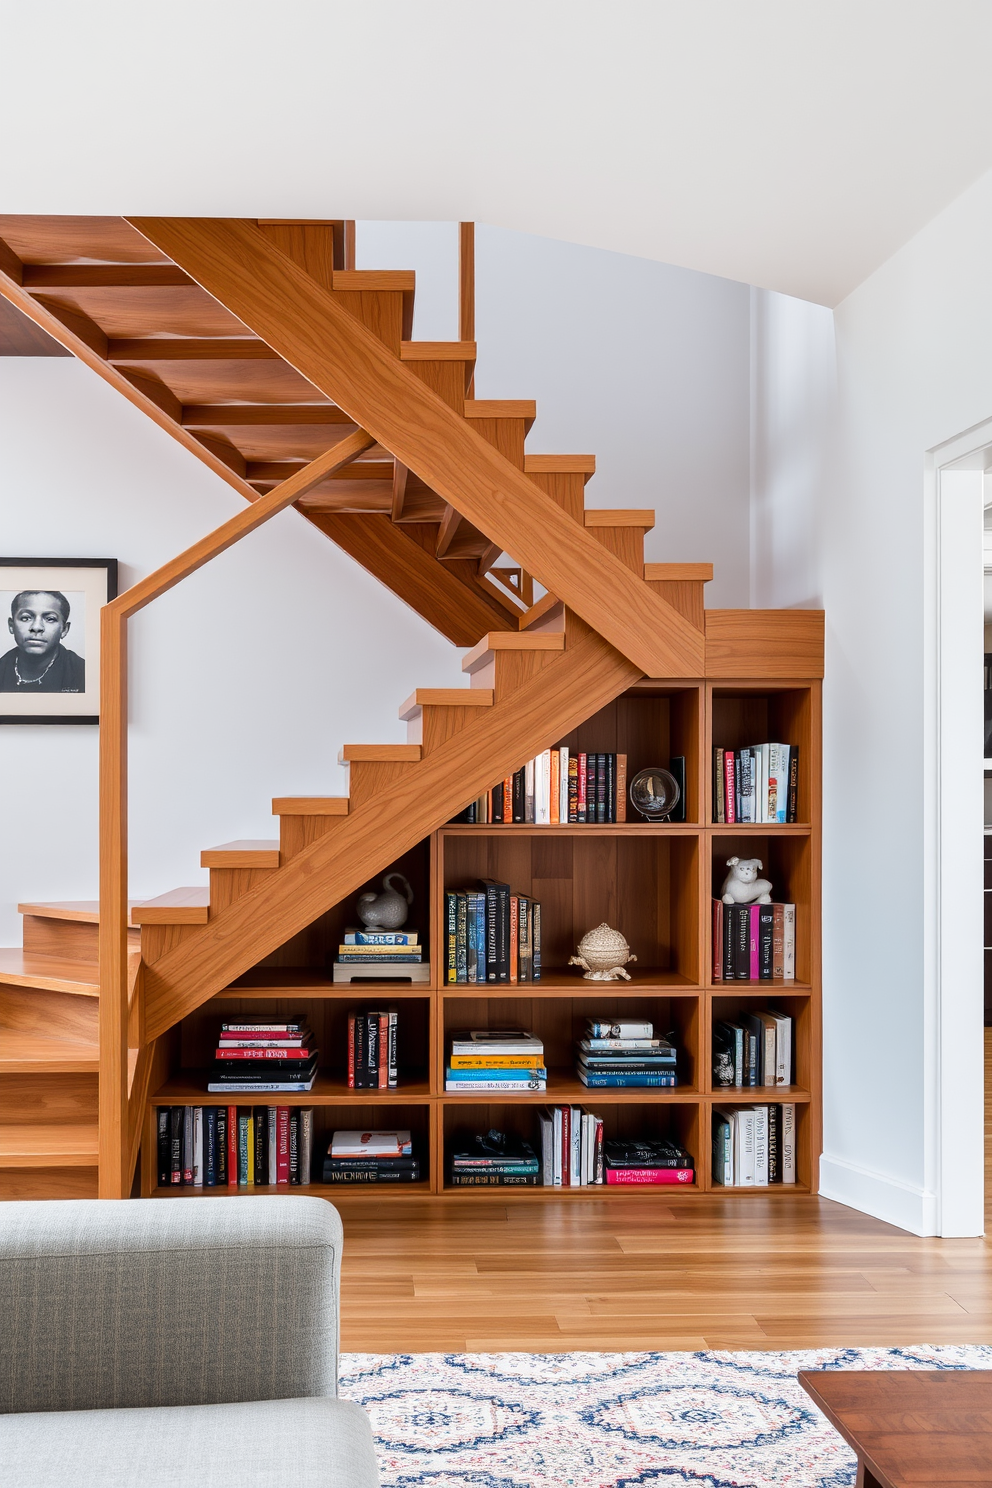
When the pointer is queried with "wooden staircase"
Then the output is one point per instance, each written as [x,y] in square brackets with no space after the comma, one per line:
[259,347]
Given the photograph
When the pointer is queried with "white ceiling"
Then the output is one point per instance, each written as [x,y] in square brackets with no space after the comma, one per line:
[794,144]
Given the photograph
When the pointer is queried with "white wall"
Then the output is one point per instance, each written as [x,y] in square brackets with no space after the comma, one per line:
[247,678]
[912,370]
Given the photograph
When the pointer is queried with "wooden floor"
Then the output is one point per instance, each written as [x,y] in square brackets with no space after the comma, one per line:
[625,1274]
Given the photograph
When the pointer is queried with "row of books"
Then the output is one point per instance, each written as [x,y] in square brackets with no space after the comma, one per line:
[572,1154]
[757,784]
[492,935]
[563,786]
[380,948]
[264,1056]
[372,1041]
[624,1055]
[359,1157]
[753,1049]
[754,1146]
[228,1146]
[754,942]
[506,1061]
[494,1159]
[571,1147]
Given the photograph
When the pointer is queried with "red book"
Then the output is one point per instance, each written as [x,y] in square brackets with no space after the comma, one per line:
[383,1051]
[351,1051]
[717,940]
[754,938]
[282,1144]
[650,1175]
[508,798]
[514,937]
[223,1053]
[232,1146]
[729,786]
[566,1146]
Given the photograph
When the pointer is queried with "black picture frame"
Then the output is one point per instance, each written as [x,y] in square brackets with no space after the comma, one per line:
[24,574]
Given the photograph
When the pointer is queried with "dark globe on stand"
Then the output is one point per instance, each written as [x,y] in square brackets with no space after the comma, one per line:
[654,792]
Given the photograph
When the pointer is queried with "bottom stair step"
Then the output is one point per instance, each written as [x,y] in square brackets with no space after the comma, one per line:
[55,1146]
[48,973]
[23,1053]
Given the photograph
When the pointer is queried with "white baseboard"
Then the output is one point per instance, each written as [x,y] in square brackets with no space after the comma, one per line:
[885,1198]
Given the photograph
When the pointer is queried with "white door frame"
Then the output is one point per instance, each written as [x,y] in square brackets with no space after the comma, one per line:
[953,803]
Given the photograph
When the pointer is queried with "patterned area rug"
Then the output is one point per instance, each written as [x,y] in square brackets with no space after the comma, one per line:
[718,1420]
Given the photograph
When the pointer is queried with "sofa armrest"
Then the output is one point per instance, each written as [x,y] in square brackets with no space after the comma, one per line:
[167,1301]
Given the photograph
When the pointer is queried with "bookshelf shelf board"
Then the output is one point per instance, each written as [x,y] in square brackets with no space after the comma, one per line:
[773,987]
[568,982]
[758,1095]
[323,987]
[663,1192]
[565,1088]
[575,829]
[759,829]
[189,1088]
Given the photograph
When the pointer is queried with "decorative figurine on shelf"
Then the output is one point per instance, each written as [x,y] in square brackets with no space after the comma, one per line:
[603,953]
[388,910]
[654,793]
[742,884]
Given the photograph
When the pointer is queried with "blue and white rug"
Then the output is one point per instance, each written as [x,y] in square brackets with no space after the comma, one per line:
[717,1420]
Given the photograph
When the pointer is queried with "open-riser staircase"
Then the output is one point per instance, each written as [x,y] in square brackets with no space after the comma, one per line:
[258,349]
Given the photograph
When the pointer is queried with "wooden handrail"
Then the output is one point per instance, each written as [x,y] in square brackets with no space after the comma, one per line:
[117,1146]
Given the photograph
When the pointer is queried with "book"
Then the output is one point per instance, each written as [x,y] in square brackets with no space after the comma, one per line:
[646,1153]
[284,1055]
[508,1087]
[267,1028]
[450,936]
[620,789]
[633,1176]
[792,799]
[496,1061]
[380,1143]
[624,1043]
[496,1041]
[490,1072]
[359,1174]
[493,1180]
[621,1082]
[210,1146]
[164,1150]
[381,937]
[266,1087]
[676,766]
[597,1028]
[306,1143]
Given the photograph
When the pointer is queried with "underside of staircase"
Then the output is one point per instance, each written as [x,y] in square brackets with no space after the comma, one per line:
[260,347]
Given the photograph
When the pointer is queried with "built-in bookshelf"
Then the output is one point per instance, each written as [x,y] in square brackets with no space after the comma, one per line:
[653,882]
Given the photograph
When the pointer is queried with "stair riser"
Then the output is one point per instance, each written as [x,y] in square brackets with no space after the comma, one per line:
[228,884]
[156,940]
[505,434]
[51,1014]
[625,543]
[508,670]
[370,777]
[436,725]
[565,488]
[684,596]
[297,832]
[30,1100]
[74,939]
[49,1183]
[449,380]
[380,311]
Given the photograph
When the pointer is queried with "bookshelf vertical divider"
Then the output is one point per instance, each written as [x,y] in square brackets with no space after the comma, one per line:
[655,883]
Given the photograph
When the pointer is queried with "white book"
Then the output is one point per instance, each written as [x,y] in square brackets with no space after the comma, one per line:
[575,1156]
[542,789]
[273,1123]
[529,773]
[547,1148]
[563,784]
[723,1147]
[765,778]
[197,1146]
[371,1144]
[788,1140]
[744,1154]
[778,781]
[789,942]
[761,1146]
[783,1049]
[558,1146]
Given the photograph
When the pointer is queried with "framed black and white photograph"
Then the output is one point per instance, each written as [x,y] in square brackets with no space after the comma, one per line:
[50,637]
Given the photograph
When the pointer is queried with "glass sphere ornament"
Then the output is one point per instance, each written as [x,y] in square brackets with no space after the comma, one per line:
[654,793]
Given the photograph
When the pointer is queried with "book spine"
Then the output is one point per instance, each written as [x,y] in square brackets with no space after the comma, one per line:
[461,943]
[187,1145]
[222,1146]
[351,1051]
[492,934]
[529,770]
[244,1138]
[563,760]
[272,1145]
[761,1146]
[519,796]
[789,942]
[210,1146]
[232,1146]
[282,1144]
[474,942]
[573,787]
[554,787]
[260,1055]
[753,942]
[176,1119]
[621,788]
[598,1169]
[610,763]
[792,808]
[788,1130]
[514,938]
[506,801]
[261,1146]
[394,1033]
[774,1144]
[383,1051]
[360,1051]
[450,936]
[535,941]
[266,1028]
[197,1146]
[371,1067]
[523,939]
[582,788]
[642,1176]
[718,908]
[741,914]
[294,1146]
[601,788]
[719,787]
[766,935]
[778,940]
[566,1146]
[729,786]
[164,1147]
[306,1144]
[643,1080]
[480,1086]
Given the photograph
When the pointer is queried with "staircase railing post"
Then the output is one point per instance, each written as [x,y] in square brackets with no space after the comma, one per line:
[466,288]
[115,1178]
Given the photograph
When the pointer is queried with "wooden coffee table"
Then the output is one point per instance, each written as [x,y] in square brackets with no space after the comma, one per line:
[910,1427]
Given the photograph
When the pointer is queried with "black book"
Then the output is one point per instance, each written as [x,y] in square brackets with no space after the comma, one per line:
[728,1039]
[519,796]
[294,1144]
[222,1178]
[260,1116]
[792,805]
[497,802]
[741,917]
[729,930]
[646,1154]
[462,1179]
[358,1073]
[601,787]
[372,1164]
[535,941]
[774,1144]
[164,1164]
[210,1146]
[357,1174]
[765,928]
[611,786]
[754,1033]
[263,1071]
[497,930]
[737,785]
[371,1051]
[177,1117]
[590,787]
[494,1146]
[676,766]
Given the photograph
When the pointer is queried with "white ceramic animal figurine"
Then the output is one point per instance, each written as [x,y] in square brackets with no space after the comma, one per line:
[388,910]
[742,884]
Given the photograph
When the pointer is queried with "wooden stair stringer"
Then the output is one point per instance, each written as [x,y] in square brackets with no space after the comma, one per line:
[233,261]
[578,682]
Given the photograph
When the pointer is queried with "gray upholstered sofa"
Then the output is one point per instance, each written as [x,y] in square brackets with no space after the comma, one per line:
[175,1343]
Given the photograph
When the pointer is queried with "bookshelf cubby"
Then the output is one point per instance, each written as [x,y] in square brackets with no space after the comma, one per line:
[653,882]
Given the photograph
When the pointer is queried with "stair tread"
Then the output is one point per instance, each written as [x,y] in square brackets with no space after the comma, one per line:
[559,464]
[512,640]
[32,1053]
[49,1146]
[185,906]
[620,517]
[48,973]
[388,753]
[678,573]
[446,697]
[437,351]
[310,805]
[254,852]
[85,911]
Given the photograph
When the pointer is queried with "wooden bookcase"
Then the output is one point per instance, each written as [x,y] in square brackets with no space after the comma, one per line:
[654,883]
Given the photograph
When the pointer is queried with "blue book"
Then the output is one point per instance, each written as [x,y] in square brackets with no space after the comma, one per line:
[381,937]
[487,1074]
[210,1146]
[477,936]
[621,1082]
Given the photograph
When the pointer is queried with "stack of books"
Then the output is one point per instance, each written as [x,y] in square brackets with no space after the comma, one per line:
[754,942]
[571,1147]
[495,1061]
[493,1160]
[562,786]
[374,955]
[754,1146]
[263,1055]
[757,784]
[624,1055]
[644,1162]
[371,1157]
[372,1039]
[234,1146]
[492,935]
[753,1049]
